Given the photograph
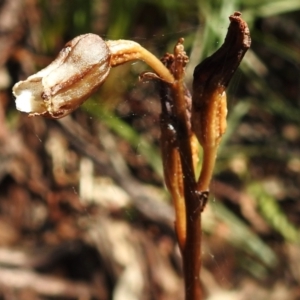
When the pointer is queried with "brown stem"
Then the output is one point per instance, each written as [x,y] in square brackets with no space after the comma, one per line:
[192,249]
[176,106]
[192,254]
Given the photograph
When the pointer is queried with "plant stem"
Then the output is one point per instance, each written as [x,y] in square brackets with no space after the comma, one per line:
[192,254]
[192,248]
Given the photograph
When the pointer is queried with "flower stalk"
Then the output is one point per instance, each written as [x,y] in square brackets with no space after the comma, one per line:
[123,51]
[79,70]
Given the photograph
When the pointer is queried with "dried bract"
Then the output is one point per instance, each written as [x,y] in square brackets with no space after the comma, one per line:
[211,77]
[77,72]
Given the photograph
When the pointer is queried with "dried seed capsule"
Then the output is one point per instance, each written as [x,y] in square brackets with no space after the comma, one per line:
[77,72]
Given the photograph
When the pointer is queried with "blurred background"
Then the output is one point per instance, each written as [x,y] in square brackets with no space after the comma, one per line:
[84,213]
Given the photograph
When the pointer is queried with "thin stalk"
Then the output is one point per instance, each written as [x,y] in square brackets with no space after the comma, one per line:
[123,51]
[207,168]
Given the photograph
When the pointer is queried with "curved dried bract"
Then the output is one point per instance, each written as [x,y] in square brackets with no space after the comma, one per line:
[209,108]
[211,77]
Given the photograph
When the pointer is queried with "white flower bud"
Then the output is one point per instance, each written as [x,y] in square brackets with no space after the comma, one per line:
[80,68]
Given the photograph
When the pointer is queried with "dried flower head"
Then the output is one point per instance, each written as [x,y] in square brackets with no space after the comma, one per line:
[79,69]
